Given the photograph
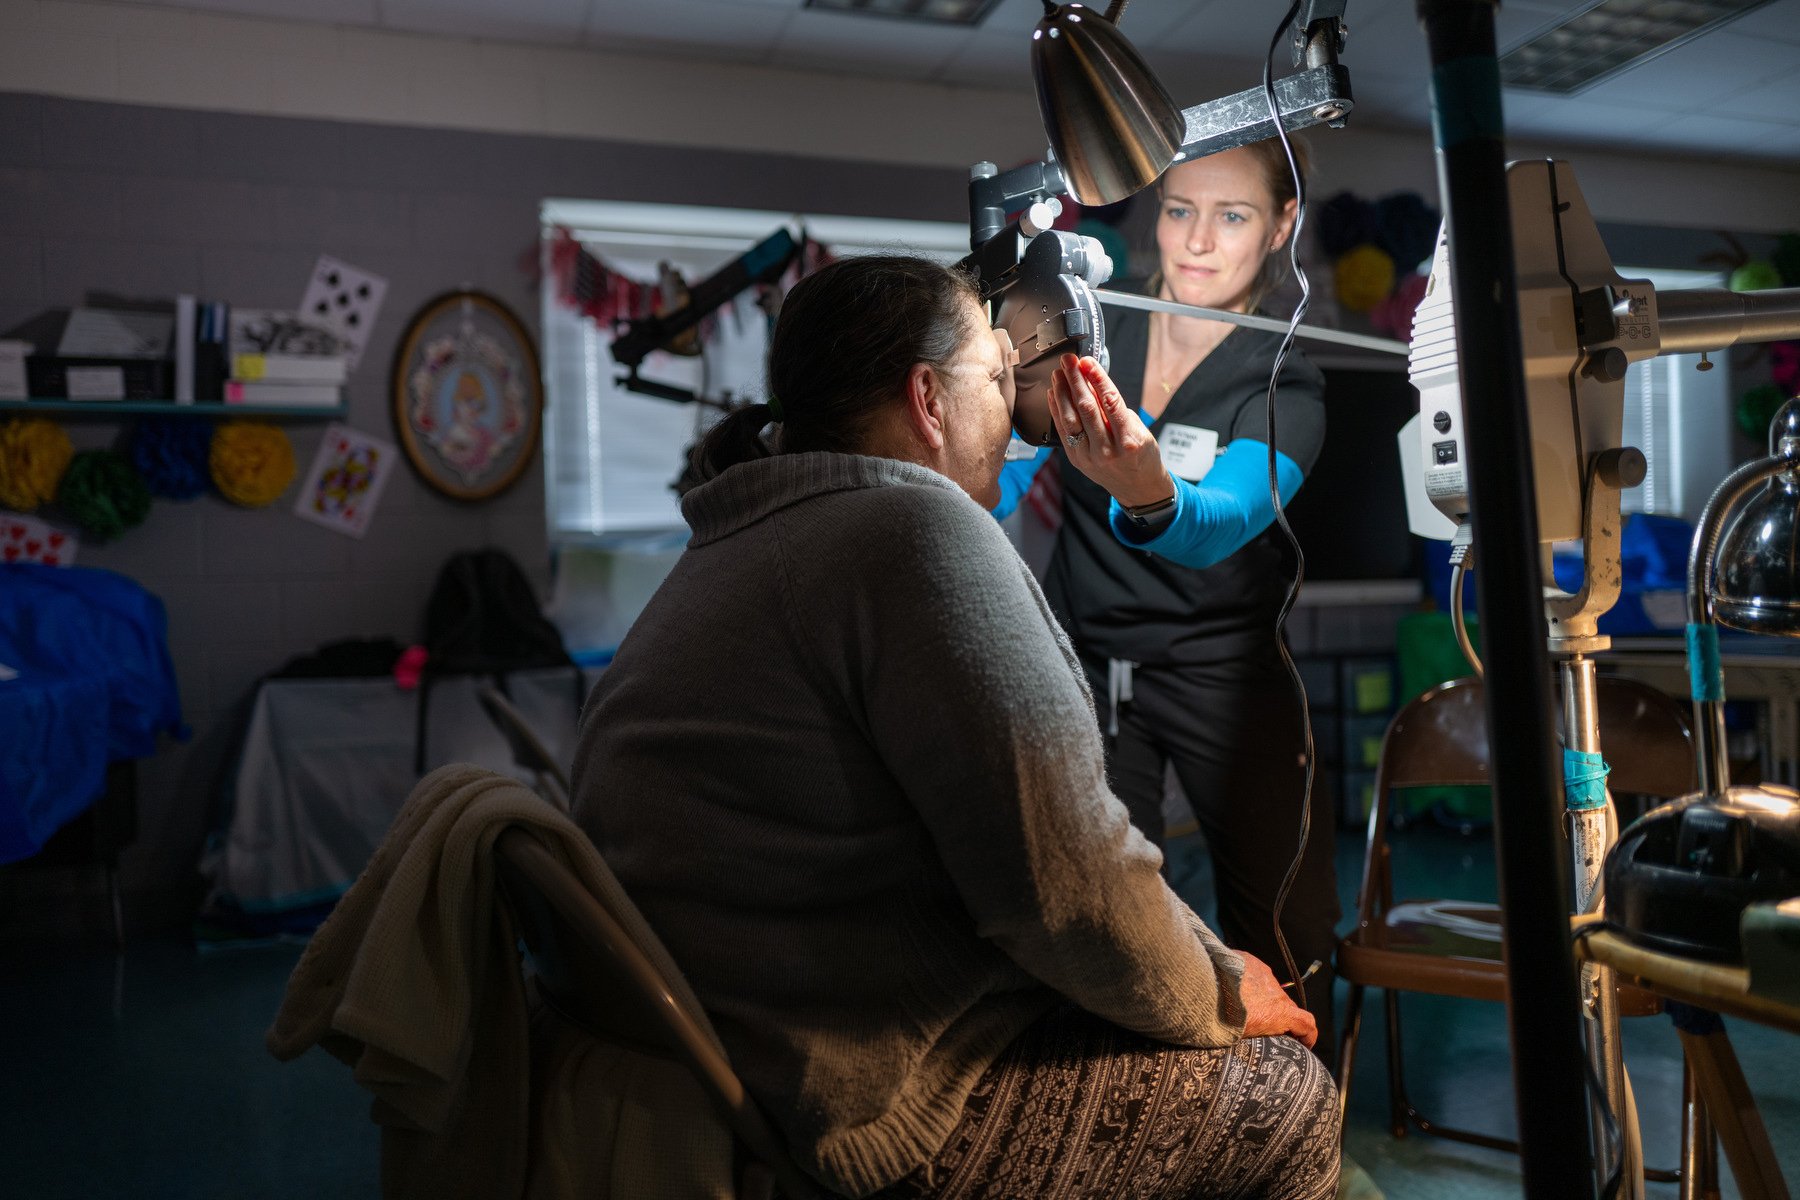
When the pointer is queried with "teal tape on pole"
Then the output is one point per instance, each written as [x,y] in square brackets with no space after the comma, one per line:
[1466,102]
[1706,674]
[1584,780]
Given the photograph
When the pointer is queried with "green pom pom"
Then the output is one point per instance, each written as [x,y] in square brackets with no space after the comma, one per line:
[1787,259]
[1755,276]
[1756,408]
[103,493]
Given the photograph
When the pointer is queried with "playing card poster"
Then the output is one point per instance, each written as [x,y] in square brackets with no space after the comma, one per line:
[26,539]
[344,485]
[345,300]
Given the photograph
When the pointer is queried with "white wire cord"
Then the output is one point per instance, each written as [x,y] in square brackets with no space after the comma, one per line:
[1293,594]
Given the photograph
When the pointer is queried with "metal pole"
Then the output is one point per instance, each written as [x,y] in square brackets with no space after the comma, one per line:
[1589,839]
[1543,1005]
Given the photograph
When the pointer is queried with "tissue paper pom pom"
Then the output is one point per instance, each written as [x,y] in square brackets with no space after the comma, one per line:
[1394,315]
[34,453]
[1784,366]
[1407,228]
[171,454]
[1787,259]
[103,493]
[1364,278]
[252,462]
[1756,408]
[1755,276]
[1345,222]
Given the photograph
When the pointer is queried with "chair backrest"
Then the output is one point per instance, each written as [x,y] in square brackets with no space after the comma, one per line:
[1440,740]
[528,749]
[601,979]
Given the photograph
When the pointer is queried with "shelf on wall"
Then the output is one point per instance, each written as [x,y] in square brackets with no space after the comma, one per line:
[146,408]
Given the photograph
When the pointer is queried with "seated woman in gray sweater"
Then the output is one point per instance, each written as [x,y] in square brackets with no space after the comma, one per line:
[847,764]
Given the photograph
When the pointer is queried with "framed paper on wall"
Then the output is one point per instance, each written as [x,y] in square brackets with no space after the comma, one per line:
[468,396]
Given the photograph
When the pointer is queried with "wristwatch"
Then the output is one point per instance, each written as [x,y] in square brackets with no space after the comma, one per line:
[1154,515]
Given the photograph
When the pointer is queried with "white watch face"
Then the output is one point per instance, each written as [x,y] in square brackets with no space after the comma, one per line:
[1188,451]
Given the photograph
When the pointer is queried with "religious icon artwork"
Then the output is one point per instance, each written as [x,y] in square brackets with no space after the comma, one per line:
[468,398]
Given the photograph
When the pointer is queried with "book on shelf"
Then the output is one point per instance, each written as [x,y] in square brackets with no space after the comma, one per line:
[280,394]
[290,368]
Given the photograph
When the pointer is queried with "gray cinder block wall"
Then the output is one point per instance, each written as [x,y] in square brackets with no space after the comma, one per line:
[137,200]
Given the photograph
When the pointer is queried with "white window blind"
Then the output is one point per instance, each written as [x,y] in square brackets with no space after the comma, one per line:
[611,454]
[1679,416]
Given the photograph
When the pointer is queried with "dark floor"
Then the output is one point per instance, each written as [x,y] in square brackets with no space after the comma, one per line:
[144,1076]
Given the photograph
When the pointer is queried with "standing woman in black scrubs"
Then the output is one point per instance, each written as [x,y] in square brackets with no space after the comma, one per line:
[1167,573]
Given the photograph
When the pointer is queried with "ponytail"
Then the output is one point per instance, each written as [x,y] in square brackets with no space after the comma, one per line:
[738,438]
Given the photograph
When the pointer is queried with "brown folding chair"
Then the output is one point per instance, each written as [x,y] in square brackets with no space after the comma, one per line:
[1453,947]
[597,976]
[528,749]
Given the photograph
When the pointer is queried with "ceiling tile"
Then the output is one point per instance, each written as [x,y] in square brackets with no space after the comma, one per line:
[1779,21]
[1774,99]
[556,22]
[1696,73]
[730,30]
[841,43]
[989,61]
[345,12]
[1733,137]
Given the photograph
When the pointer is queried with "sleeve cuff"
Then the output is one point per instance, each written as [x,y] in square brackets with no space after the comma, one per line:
[1158,538]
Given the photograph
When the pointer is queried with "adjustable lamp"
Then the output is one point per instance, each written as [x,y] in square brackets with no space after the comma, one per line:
[1756,583]
[1111,125]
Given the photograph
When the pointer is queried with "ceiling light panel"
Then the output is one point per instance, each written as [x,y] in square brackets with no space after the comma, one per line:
[936,12]
[1600,41]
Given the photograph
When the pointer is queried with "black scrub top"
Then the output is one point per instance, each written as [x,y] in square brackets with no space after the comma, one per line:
[1120,602]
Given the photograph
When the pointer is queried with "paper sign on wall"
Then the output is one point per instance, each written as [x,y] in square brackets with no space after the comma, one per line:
[345,300]
[346,479]
[26,539]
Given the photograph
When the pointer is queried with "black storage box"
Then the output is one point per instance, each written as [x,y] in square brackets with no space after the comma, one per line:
[47,376]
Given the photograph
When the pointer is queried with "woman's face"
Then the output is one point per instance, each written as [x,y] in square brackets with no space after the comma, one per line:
[978,387]
[1217,223]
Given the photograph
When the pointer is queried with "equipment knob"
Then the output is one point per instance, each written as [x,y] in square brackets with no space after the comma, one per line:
[1441,422]
[1607,366]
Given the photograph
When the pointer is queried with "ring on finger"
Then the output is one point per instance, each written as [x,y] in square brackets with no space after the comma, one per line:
[1076,437]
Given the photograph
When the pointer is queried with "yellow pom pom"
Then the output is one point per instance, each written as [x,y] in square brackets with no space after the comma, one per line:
[1365,276]
[34,453]
[252,462]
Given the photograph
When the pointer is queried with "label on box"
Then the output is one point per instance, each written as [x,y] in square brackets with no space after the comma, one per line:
[12,370]
[95,383]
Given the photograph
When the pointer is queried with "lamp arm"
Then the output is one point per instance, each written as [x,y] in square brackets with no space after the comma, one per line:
[1704,319]
[1706,677]
[1319,95]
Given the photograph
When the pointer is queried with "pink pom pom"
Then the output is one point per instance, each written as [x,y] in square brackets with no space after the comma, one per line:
[1784,367]
[1394,315]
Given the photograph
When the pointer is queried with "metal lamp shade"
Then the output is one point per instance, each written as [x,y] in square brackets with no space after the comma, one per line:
[1111,126]
[1756,582]
[1756,585]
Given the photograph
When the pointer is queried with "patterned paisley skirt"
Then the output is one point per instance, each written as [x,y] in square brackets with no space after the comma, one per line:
[1079,1109]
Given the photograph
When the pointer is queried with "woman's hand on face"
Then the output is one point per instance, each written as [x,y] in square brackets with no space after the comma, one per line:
[1268,1012]
[1103,437]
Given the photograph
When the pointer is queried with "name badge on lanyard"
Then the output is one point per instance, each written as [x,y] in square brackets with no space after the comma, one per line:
[1188,450]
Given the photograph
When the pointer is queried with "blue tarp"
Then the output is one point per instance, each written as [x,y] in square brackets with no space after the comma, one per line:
[95,684]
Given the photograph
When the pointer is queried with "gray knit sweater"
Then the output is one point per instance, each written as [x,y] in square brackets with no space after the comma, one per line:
[847,764]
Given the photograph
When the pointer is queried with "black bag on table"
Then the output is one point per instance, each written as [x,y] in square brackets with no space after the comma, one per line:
[483,618]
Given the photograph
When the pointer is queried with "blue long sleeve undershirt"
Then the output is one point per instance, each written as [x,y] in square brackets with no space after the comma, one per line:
[1213,519]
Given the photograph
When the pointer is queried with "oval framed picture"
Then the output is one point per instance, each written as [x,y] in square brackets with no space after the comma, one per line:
[468,397]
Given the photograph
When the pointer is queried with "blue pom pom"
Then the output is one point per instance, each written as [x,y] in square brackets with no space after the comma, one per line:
[1407,228]
[1345,222]
[171,454]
